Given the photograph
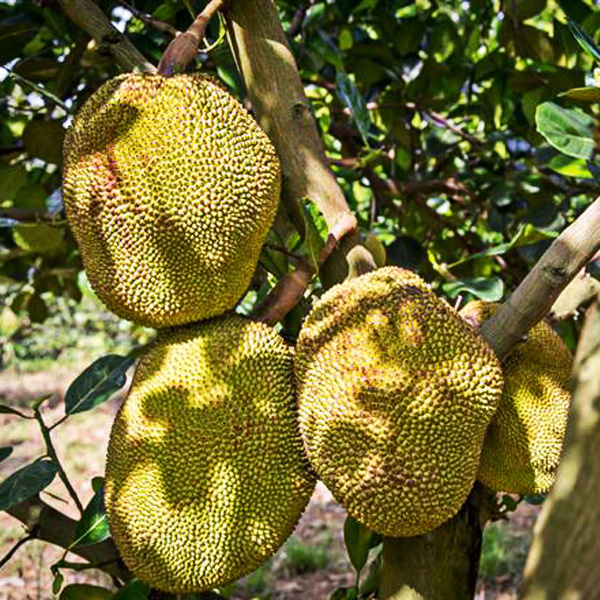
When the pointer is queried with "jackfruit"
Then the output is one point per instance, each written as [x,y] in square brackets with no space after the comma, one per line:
[523,444]
[170,188]
[395,393]
[205,474]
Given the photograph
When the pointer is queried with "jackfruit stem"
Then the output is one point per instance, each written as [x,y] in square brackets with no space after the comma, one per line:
[182,50]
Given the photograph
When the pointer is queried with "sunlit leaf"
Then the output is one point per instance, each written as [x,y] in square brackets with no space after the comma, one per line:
[567,129]
[358,541]
[490,289]
[93,526]
[585,39]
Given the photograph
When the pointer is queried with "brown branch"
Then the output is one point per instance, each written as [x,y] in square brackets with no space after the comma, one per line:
[268,68]
[534,297]
[441,120]
[296,25]
[56,528]
[182,50]
[285,295]
[26,215]
[89,16]
[148,20]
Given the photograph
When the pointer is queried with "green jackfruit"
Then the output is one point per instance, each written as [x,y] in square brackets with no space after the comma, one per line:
[170,188]
[395,394]
[205,474]
[522,447]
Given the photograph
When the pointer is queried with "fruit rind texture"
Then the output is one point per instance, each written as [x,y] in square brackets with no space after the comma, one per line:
[170,188]
[206,475]
[395,394]
[523,445]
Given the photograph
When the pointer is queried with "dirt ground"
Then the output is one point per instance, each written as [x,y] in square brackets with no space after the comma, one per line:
[309,566]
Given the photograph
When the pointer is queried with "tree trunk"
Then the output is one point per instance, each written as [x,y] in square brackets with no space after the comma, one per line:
[564,561]
[442,564]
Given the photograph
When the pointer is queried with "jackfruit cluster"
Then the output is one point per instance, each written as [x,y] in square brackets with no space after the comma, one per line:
[523,444]
[206,476]
[170,188]
[395,394]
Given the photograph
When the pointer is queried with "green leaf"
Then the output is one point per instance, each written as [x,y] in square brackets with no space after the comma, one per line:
[358,540]
[567,129]
[26,482]
[44,140]
[93,526]
[57,582]
[351,97]
[490,289]
[585,39]
[534,499]
[85,591]
[582,94]
[97,383]
[5,452]
[133,590]
[570,167]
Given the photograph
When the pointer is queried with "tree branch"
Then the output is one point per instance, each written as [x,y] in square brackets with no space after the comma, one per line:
[89,16]
[268,68]
[534,297]
[148,20]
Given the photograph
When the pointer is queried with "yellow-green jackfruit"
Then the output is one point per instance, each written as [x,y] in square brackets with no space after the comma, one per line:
[395,394]
[170,188]
[206,475]
[523,444]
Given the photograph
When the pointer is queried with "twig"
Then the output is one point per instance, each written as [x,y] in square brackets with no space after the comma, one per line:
[26,214]
[296,25]
[89,16]
[150,21]
[182,50]
[31,536]
[52,454]
[441,120]
[536,294]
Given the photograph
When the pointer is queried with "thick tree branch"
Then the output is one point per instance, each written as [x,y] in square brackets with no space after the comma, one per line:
[56,528]
[556,268]
[89,16]
[563,561]
[268,68]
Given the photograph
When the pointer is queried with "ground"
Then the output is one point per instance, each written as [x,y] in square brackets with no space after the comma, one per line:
[312,564]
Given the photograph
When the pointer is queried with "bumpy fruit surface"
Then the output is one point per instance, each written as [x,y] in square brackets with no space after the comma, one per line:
[395,394]
[170,188]
[523,445]
[206,475]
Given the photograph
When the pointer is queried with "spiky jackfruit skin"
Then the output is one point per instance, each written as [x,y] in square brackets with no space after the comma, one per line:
[523,444]
[206,475]
[170,188]
[395,394]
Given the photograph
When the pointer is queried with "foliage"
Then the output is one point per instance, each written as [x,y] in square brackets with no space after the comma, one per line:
[463,134]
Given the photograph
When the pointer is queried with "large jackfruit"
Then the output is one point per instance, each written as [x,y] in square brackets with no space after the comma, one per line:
[206,475]
[395,394]
[522,447]
[170,188]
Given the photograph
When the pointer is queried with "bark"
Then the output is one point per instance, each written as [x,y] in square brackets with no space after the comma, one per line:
[271,76]
[563,561]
